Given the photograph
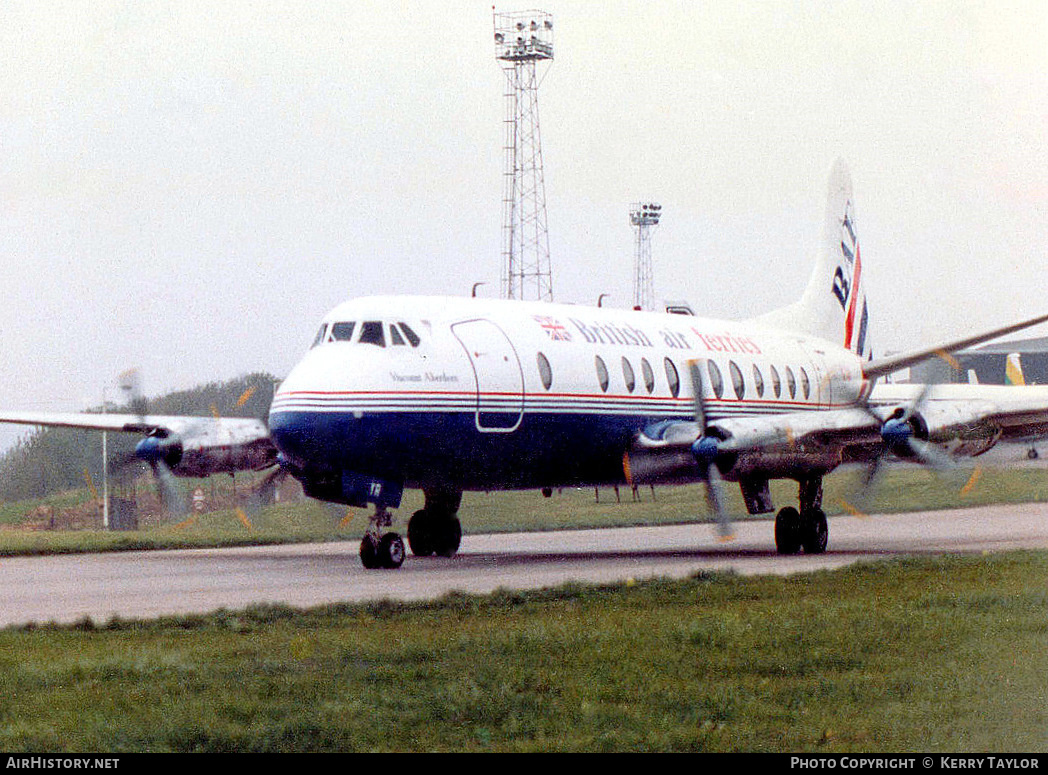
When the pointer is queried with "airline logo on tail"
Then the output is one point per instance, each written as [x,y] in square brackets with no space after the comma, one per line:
[1013,370]
[847,286]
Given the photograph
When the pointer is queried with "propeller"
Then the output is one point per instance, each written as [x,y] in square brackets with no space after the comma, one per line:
[158,451]
[901,436]
[705,450]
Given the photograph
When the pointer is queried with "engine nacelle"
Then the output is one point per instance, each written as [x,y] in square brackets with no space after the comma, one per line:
[962,430]
[211,448]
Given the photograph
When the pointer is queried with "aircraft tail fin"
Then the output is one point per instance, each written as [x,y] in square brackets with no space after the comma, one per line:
[1013,370]
[833,305]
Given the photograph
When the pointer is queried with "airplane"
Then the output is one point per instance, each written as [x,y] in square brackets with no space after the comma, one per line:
[448,394]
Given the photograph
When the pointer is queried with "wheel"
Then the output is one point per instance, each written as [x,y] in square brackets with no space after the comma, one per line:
[369,553]
[1032,453]
[788,531]
[420,534]
[391,551]
[447,536]
[814,531]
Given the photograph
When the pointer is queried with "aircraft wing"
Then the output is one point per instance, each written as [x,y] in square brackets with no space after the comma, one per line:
[179,445]
[160,425]
[1014,412]
[962,420]
[884,366]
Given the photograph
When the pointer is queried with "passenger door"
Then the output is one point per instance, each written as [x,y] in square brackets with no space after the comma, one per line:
[498,374]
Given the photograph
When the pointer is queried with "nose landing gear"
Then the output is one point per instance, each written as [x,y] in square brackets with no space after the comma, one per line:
[381,548]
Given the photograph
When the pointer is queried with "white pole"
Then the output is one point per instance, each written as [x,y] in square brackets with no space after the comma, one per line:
[105,471]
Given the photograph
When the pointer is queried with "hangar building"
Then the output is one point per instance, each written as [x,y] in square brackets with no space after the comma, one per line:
[988,363]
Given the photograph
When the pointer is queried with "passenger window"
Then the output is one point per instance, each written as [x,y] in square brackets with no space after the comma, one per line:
[395,337]
[758,381]
[602,373]
[791,382]
[545,372]
[649,375]
[673,378]
[371,333]
[628,375]
[738,384]
[342,332]
[776,383]
[320,336]
[716,380]
[805,384]
[411,335]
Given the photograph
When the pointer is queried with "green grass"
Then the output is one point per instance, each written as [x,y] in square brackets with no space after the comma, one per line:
[942,654]
[901,489]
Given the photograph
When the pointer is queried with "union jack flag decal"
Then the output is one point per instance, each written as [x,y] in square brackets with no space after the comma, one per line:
[553,328]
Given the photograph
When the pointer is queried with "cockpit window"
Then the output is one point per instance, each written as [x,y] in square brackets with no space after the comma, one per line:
[371,333]
[411,335]
[368,332]
[342,332]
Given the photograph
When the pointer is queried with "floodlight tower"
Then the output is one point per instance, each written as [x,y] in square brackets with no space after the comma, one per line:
[523,40]
[644,217]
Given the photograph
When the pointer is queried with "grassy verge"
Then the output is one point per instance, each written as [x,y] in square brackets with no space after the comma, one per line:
[926,654]
[902,489]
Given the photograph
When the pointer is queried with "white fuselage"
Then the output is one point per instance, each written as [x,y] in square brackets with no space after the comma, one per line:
[483,394]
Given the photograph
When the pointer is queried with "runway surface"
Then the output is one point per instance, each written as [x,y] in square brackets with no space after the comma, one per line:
[149,584]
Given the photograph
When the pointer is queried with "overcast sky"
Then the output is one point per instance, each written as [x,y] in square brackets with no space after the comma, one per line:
[187,187]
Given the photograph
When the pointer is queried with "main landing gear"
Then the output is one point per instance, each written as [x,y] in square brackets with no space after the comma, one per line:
[435,528]
[432,530]
[805,529]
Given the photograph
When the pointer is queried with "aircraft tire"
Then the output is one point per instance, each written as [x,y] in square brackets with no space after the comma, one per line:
[369,553]
[420,534]
[447,537]
[788,531]
[815,532]
[391,551]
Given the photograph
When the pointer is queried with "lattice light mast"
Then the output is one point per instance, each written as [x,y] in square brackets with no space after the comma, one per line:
[644,217]
[523,41]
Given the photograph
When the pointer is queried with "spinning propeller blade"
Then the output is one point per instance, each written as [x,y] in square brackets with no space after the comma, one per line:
[704,451]
[900,437]
[154,450]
